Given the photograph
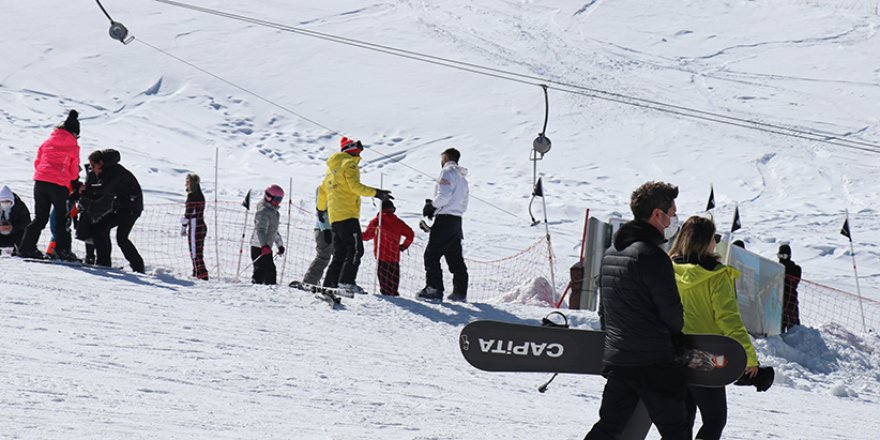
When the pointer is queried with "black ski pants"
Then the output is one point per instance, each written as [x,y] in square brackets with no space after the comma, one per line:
[445,241]
[348,249]
[712,403]
[389,277]
[264,267]
[124,223]
[47,196]
[12,240]
[661,388]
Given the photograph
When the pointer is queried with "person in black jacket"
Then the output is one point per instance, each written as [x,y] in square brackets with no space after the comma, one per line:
[14,218]
[192,225]
[642,316]
[87,193]
[118,204]
[791,315]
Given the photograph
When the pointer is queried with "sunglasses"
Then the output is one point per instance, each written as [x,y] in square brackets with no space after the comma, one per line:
[717,238]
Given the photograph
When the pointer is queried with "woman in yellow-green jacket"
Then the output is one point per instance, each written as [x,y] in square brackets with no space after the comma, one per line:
[709,299]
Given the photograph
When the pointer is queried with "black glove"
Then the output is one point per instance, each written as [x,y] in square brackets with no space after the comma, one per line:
[321,215]
[328,236]
[402,248]
[280,250]
[762,381]
[383,194]
[424,226]
[429,209]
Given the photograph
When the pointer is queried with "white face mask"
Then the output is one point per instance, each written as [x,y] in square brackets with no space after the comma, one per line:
[670,231]
[6,204]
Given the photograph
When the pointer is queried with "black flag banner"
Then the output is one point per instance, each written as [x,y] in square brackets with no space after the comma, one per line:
[538,191]
[247,201]
[845,229]
[736,223]
[711,204]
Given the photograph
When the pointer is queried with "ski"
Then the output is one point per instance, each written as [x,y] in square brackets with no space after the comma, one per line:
[76,263]
[326,294]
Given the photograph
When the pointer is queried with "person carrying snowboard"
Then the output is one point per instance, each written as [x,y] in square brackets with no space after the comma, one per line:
[340,197]
[388,249]
[708,296]
[56,166]
[118,204]
[642,316]
[192,225]
[266,222]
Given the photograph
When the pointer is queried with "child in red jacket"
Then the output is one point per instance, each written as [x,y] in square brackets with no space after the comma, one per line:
[388,252]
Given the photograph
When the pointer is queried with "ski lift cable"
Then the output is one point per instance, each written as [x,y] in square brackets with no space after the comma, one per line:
[104,11]
[800,133]
[248,91]
[243,89]
[301,116]
[782,131]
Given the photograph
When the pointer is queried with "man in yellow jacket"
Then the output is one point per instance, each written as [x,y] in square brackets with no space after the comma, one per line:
[339,197]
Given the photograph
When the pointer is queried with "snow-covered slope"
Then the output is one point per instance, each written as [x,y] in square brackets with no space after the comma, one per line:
[94,354]
[123,356]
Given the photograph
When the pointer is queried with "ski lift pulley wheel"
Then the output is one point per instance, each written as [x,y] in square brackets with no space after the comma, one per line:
[119,32]
[541,144]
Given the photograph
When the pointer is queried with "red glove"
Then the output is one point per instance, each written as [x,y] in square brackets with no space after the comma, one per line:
[266,250]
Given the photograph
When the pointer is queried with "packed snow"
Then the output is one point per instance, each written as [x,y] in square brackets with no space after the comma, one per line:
[112,354]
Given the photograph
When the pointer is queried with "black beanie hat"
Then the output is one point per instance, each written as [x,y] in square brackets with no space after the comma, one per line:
[785,249]
[71,124]
[387,204]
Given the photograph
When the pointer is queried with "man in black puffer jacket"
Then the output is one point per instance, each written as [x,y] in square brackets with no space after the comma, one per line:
[118,204]
[642,316]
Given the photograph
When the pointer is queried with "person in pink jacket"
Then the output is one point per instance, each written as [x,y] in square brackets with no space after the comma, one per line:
[56,167]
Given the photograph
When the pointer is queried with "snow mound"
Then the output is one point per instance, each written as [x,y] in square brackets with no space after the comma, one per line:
[535,292]
[830,357]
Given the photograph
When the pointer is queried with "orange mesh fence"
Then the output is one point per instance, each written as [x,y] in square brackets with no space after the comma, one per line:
[822,304]
[159,239]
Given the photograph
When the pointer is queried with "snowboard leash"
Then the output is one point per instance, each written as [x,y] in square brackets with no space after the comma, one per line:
[547,321]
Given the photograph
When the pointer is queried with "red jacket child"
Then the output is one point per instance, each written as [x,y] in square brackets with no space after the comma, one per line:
[392,229]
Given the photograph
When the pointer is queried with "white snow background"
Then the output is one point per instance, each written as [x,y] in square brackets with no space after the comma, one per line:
[88,354]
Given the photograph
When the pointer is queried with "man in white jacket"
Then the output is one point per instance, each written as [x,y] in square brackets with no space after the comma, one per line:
[449,204]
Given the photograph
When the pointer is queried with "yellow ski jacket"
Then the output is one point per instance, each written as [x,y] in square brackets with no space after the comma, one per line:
[341,191]
[709,300]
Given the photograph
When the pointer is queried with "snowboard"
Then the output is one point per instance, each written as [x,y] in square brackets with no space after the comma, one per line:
[327,294]
[504,347]
[75,263]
